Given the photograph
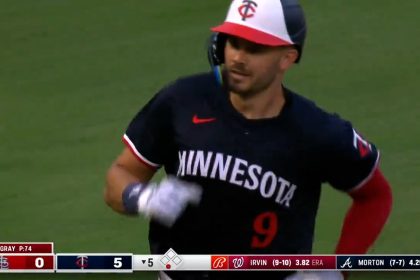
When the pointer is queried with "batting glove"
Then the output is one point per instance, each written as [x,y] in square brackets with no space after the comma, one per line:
[163,202]
[316,275]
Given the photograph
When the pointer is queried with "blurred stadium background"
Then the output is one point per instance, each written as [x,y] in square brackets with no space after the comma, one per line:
[73,73]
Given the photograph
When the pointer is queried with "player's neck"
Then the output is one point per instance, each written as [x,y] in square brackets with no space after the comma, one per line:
[264,105]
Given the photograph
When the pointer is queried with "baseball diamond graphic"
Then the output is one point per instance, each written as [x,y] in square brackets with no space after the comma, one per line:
[171,259]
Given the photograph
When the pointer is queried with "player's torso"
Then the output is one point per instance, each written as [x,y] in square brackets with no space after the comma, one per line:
[260,188]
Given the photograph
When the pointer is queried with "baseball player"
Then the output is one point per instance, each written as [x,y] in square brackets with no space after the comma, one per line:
[245,157]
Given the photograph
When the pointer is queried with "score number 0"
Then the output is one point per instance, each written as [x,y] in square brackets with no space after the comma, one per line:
[39,262]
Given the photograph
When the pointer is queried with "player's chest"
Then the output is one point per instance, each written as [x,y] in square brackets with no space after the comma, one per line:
[212,145]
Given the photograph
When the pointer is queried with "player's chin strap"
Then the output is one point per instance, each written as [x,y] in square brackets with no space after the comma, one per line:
[215,54]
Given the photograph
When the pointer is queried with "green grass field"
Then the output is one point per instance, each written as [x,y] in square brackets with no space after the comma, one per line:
[73,74]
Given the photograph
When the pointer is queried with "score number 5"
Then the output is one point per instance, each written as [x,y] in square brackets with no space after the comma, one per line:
[118,262]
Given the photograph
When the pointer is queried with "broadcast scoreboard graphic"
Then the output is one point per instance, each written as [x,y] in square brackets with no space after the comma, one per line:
[40,257]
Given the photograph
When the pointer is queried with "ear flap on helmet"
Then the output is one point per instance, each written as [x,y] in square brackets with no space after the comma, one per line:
[216,54]
[216,49]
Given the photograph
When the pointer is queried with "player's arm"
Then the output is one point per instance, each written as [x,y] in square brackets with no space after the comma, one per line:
[149,140]
[370,209]
[129,191]
[126,170]
[352,166]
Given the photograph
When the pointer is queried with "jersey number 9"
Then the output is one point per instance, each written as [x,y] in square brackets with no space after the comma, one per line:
[265,227]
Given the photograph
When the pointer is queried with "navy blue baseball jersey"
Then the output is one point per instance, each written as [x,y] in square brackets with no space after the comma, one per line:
[261,178]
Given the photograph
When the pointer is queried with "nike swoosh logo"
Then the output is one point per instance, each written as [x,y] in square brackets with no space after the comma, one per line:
[197,120]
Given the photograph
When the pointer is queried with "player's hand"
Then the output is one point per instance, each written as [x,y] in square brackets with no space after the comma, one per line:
[165,202]
[316,275]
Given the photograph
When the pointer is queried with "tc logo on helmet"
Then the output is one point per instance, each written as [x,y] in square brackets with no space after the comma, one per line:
[248,9]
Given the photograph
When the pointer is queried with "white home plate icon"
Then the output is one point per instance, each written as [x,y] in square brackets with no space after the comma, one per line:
[171,259]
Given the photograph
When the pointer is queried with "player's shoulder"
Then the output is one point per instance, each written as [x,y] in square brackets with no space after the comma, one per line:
[183,92]
[315,122]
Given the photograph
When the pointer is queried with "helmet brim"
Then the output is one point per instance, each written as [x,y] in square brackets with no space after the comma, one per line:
[250,34]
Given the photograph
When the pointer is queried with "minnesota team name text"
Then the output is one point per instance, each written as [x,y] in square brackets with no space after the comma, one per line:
[238,172]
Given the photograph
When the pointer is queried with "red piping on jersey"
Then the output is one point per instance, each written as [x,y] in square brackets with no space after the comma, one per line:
[371,206]
[134,152]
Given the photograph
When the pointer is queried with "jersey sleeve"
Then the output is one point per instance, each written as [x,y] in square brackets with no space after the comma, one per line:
[149,132]
[349,159]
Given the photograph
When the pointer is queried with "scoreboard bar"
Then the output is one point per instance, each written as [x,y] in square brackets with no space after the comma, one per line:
[177,262]
[27,263]
[26,248]
[378,262]
[309,262]
[232,262]
[173,261]
[39,257]
[87,262]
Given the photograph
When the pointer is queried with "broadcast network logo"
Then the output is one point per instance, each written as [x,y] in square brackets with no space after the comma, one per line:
[219,262]
[171,260]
